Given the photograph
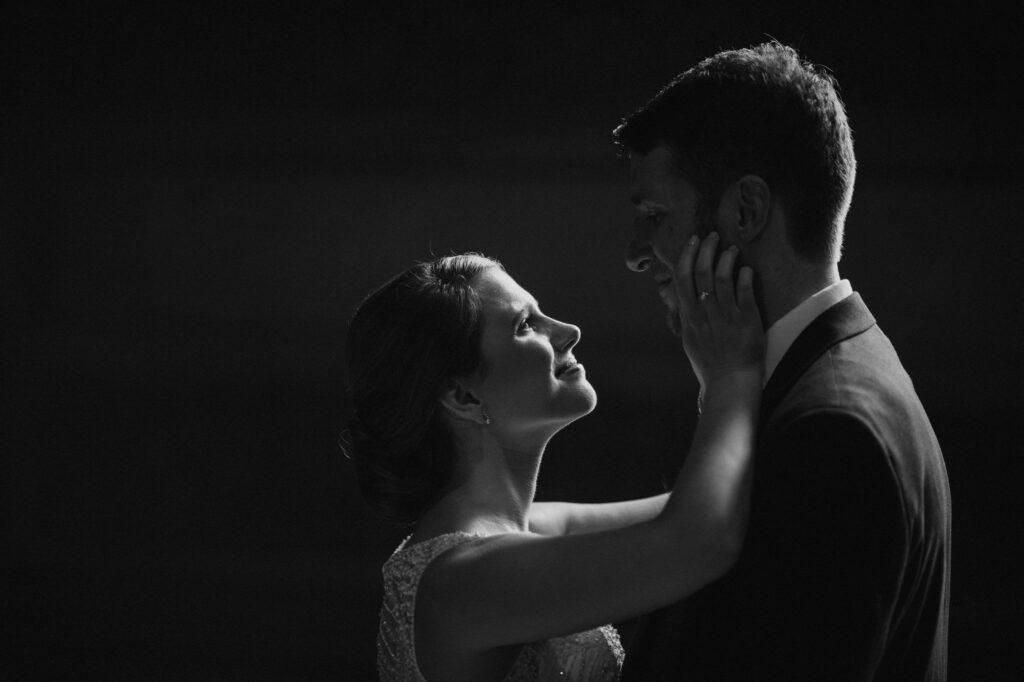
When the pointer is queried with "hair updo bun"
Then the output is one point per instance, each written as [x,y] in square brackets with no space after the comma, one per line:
[407,337]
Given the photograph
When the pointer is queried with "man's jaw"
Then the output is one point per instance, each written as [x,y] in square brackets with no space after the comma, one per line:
[667,293]
[672,320]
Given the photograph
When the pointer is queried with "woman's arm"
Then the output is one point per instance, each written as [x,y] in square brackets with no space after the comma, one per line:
[570,518]
[520,587]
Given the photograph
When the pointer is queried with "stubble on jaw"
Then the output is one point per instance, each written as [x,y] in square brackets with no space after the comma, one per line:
[674,325]
[672,319]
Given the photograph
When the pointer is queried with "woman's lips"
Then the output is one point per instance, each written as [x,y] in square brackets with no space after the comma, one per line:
[571,368]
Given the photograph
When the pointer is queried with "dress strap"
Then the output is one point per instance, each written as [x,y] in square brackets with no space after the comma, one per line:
[396,651]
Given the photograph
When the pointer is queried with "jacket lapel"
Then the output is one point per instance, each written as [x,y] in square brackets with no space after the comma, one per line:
[845,319]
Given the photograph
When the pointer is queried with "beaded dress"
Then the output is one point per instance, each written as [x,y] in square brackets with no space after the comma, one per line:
[592,655]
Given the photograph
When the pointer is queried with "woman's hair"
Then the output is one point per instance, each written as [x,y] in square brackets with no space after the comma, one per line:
[409,336]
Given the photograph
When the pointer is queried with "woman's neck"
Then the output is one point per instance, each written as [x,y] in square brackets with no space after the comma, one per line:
[493,494]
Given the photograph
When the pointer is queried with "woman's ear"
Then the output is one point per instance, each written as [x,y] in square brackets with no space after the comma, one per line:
[461,402]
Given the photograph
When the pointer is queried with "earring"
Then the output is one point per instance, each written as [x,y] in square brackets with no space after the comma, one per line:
[487,418]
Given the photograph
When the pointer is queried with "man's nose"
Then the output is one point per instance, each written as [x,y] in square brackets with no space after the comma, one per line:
[638,253]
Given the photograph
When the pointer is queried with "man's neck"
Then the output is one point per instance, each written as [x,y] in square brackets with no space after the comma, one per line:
[785,288]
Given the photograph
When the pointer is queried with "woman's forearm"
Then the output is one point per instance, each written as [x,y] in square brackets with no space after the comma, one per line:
[712,492]
[591,518]
[571,518]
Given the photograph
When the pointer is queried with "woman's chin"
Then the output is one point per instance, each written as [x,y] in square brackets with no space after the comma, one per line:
[588,401]
[593,401]
[570,406]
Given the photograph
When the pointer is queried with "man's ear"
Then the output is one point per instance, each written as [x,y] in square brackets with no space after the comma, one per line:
[754,202]
[746,209]
[460,401]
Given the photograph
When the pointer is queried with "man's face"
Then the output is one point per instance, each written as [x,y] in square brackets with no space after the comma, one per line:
[666,218]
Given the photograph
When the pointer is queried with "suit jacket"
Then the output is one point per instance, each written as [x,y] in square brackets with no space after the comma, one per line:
[844,574]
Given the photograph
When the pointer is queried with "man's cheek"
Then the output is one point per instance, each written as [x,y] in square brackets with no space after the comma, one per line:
[666,249]
[675,242]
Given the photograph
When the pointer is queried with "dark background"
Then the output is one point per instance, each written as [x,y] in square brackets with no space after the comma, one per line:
[194,202]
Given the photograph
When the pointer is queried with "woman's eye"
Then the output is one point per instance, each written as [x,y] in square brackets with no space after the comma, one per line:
[525,324]
[654,217]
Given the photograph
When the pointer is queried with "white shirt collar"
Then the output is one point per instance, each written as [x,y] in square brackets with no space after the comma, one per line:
[781,335]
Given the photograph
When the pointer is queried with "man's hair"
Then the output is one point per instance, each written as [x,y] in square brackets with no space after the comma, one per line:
[764,111]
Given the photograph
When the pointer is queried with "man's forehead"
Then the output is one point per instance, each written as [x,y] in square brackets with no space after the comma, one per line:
[658,158]
[635,159]
[636,178]
[649,172]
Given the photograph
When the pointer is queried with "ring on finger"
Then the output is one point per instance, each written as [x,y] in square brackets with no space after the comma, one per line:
[702,295]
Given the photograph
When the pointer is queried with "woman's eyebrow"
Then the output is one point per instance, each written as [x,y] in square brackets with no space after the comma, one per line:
[522,309]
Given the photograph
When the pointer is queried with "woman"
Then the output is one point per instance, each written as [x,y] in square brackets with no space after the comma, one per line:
[458,382]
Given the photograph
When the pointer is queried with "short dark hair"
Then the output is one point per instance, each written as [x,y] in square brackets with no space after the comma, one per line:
[761,110]
[410,335]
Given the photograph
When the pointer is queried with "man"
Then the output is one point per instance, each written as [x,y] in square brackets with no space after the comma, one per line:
[845,570]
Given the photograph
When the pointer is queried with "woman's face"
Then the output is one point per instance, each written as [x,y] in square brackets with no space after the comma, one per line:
[530,381]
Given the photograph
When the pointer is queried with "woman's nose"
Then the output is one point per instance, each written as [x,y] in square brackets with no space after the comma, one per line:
[568,336]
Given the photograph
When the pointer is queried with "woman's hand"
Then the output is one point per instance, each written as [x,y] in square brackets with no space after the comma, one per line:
[553,586]
[720,324]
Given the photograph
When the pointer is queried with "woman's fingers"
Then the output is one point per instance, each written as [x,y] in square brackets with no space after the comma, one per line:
[703,276]
[721,327]
[724,289]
